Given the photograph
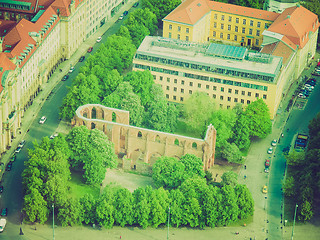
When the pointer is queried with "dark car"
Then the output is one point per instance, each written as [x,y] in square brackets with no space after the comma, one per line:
[311,82]
[4,212]
[65,77]
[13,158]
[9,166]
[125,13]
[1,189]
[90,49]
[81,58]
[136,4]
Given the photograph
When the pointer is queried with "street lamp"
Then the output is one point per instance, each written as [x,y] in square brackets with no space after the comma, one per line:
[294,220]
[53,220]
[168,223]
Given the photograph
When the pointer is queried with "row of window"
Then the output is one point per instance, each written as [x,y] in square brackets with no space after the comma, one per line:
[178,28]
[244,21]
[236,29]
[211,69]
[178,37]
[235,37]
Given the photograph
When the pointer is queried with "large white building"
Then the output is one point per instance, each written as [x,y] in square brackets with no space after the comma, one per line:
[35,36]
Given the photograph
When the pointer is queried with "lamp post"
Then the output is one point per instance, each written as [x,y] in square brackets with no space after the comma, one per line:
[53,220]
[294,220]
[168,223]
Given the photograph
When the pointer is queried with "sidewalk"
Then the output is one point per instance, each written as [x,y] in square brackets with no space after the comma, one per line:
[33,110]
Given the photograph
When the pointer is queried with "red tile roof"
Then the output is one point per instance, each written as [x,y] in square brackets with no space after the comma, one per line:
[6,65]
[296,23]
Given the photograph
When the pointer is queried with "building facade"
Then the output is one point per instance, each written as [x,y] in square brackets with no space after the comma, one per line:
[35,37]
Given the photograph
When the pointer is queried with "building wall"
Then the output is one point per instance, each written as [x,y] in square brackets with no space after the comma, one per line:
[178,88]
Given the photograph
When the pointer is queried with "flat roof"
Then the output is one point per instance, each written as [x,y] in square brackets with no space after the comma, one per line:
[228,51]
[253,62]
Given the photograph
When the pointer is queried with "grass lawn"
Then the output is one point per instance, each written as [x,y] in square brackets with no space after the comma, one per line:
[78,188]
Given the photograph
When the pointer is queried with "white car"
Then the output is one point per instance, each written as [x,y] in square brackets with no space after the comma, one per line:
[42,120]
[3,223]
[99,39]
[22,143]
[121,17]
[274,142]
[71,69]
[54,135]
[270,150]
[301,95]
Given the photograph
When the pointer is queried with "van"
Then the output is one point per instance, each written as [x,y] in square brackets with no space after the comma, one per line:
[3,223]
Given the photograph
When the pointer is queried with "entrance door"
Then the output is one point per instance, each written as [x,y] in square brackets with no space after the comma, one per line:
[249,42]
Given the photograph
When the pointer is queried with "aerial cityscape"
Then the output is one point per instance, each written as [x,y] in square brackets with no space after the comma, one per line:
[159,119]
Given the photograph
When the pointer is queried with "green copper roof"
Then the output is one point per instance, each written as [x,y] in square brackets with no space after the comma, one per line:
[226,51]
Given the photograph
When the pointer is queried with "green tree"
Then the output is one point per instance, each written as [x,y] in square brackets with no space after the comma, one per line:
[289,187]
[241,133]
[193,166]
[244,200]
[229,210]
[198,110]
[176,210]
[295,158]
[123,205]
[109,81]
[35,207]
[231,153]
[229,178]
[258,115]
[88,208]
[306,212]
[210,206]
[69,214]
[141,207]
[168,172]
[159,206]
[105,209]
[191,212]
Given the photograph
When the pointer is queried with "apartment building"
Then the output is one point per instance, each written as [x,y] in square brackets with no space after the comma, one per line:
[35,36]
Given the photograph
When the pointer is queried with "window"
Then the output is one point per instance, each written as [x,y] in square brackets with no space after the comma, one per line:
[248,101]
[190,84]
[242,100]
[167,95]
[229,90]
[222,25]
[175,89]
[235,37]
[222,89]
[243,30]
[237,20]
[170,27]
[170,35]
[214,88]
[266,25]
[264,96]
[243,93]
[214,34]
[221,35]
[174,98]
[178,37]
[215,16]
[161,78]
[181,99]
[257,95]
[249,94]
[190,91]
[182,90]
[258,24]
[168,79]
[229,27]
[230,19]
[229,99]
[236,28]
[175,80]
[222,17]
[250,31]
[251,23]
[187,38]
[154,77]
[182,82]
[199,85]
[236,100]
[187,30]
[242,39]
[179,28]
[236,91]
[214,96]
[228,36]
[258,33]
[221,97]
[228,107]
[244,21]
[215,25]
[207,86]
[168,88]
[257,41]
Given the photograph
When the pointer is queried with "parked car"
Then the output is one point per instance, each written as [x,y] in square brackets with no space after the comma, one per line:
[81,58]
[301,95]
[121,17]
[99,39]
[65,77]
[125,13]
[71,69]
[315,73]
[54,135]
[90,49]
[270,150]
[307,85]
[4,212]
[274,142]
[136,4]
[267,163]
[9,166]
[22,143]
[18,149]
[265,189]
[1,189]
[3,223]
[13,158]
[42,120]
